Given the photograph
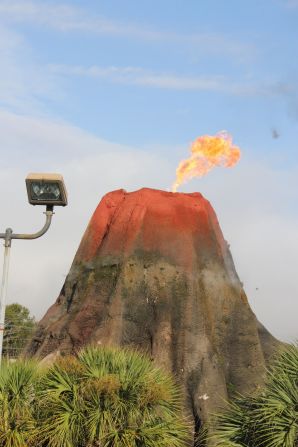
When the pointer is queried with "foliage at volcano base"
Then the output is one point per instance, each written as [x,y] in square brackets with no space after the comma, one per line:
[103,397]
[269,419]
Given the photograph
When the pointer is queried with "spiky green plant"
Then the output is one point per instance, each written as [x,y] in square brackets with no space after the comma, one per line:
[17,403]
[278,412]
[270,419]
[110,398]
[237,427]
[201,437]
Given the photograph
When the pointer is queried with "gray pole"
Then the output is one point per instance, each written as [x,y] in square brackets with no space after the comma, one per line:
[8,236]
[4,284]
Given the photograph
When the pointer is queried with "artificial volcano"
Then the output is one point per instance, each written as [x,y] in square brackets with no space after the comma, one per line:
[154,272]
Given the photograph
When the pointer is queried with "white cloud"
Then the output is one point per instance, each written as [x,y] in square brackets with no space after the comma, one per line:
[139,76]
[24,84]
[254,202]
[144,78]
[90,166]
[62,17]
[69,18]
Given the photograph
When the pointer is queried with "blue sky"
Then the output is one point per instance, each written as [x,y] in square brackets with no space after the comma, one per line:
[111,93]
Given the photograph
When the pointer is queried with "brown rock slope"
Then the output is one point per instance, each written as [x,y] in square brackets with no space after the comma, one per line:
[153,271]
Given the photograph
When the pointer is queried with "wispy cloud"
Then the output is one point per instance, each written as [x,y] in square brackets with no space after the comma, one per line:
[69,18]
[64,17]
[140,77]
[24,84]
[292,3]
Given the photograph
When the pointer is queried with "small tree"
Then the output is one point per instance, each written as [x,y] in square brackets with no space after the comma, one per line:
[19,326]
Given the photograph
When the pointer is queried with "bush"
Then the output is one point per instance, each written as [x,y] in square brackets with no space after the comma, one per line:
[103,397]
[18,403]
[269,419]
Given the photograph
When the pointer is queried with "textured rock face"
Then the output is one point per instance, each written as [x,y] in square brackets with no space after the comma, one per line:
[153,271]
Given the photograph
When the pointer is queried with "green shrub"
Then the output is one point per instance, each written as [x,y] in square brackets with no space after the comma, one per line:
[18,403]
[111,398]
[269,419]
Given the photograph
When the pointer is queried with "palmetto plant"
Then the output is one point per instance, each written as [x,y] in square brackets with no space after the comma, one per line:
[18,403]
[109,398]
[278,411]
[270,419]
[237,427]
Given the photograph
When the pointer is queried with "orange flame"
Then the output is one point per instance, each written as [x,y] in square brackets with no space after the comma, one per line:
[206,153]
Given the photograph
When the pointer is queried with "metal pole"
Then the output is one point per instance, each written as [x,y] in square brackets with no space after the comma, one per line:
[4,283]
[8,236]
[49,214]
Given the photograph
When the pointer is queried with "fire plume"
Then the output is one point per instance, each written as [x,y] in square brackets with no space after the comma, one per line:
[206,153]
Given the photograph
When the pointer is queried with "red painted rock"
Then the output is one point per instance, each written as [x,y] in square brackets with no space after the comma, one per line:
[153,271]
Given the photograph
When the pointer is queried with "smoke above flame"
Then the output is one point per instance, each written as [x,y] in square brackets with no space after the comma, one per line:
[207,152]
